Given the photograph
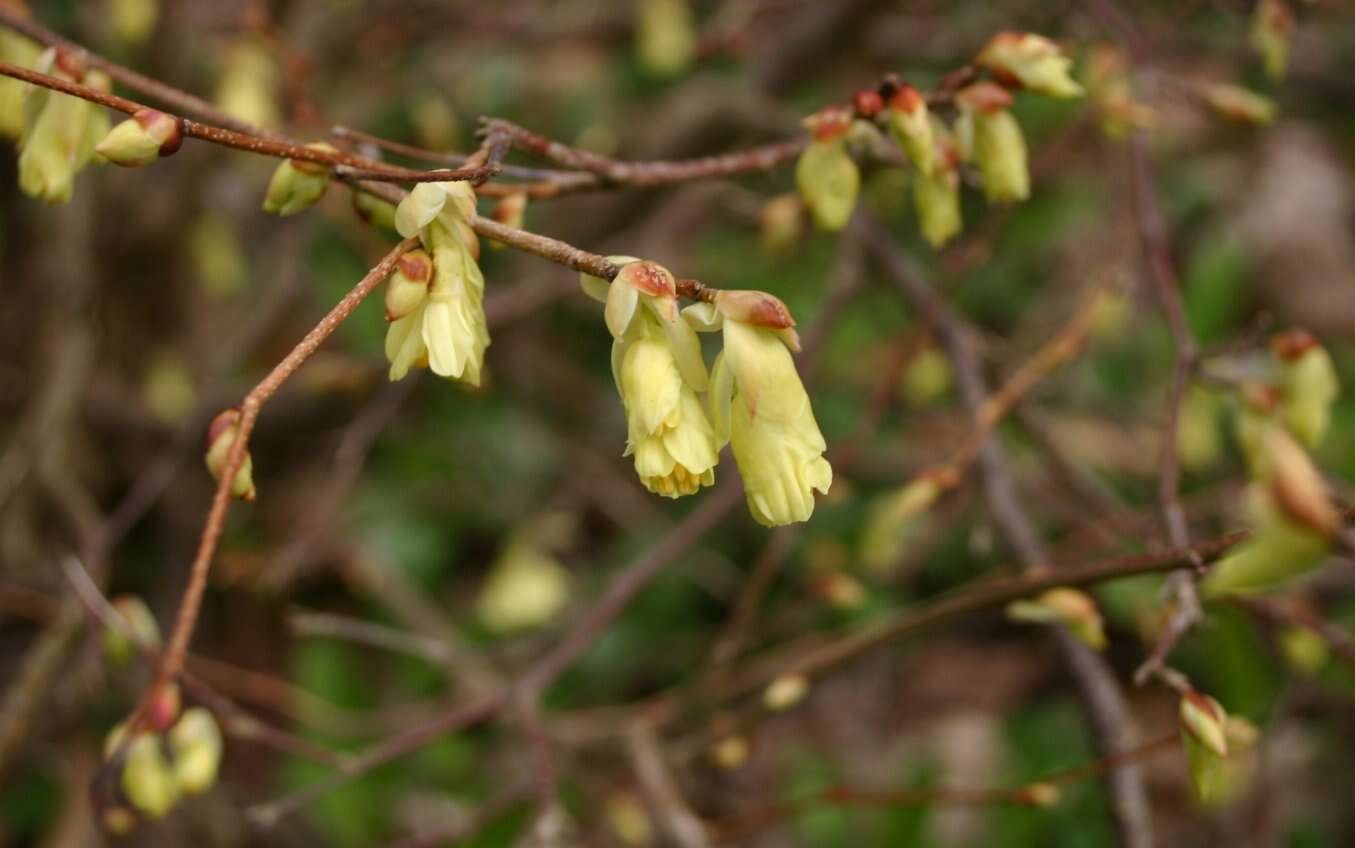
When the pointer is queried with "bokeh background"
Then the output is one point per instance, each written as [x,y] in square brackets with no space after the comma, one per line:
[481,523]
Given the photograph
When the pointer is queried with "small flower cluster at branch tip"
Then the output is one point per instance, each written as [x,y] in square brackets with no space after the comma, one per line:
[826,174]
[157,769]
[59,131]
[221,435]
[298,184]
[1272,28]
[1072,608]
[141,631]
[985,133]
[757,403]
[435,298]
[1218,749]
[141,139]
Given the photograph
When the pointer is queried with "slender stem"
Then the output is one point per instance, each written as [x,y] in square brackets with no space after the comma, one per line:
[171,662]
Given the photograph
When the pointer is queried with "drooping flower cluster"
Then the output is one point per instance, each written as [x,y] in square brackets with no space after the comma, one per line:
[435,299]
[158,768]
[59,131]
[985,133]
[756,402]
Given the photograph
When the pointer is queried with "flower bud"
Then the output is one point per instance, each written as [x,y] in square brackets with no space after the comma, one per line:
[911,125]
[196,742]
[641,277]
[829,182]
[781,223]
[629,820]
[1294,522]
[895,520]
[1238,104]
[1032,61]
[374,210]
[665,37]
[141,139]
[298,184]
[133,21]
[996,144]
[840,590]
[510,211]
[730,752]
[1308,386]
[1303,650]
[1042,794]
[221,435]
[1272,25]
[1204,722]
[148,778]
[1072,608]
[936,198]
[526,588]
[408,284]
[164,706]
[1297,487]
[927,377]
[785,692]
[755,307]
[120,648]
[248,85]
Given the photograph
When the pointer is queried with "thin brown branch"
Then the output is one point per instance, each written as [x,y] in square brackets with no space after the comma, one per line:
[177,647]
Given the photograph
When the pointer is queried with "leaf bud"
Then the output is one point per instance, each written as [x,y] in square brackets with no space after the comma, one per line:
[1204,721]
[1072,608]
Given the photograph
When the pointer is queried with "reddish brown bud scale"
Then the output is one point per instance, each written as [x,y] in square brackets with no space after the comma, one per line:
[867,104]
[163,709]
[71,63]
[755,307]
[152,120]
[224,421]
[416,265]
[984,97]
[906,99]
[1203,703]
[1279,17]
[648,278]
[830,123]
[1260,397]
[1291,344]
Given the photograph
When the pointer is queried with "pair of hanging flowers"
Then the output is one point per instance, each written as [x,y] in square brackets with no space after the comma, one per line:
[754,400]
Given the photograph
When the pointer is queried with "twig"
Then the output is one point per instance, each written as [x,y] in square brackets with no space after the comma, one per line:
[682,827]
[1114,724]
[172,660]
[312,624]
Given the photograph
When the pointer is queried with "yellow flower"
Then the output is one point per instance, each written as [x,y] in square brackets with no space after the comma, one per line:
[657,364]
[17,50]
[760,406]
[667,430]
[60,132]
[993,139]
[1032,60]
[445,330]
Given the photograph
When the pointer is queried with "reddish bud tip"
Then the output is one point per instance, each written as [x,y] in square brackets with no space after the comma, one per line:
[754,307]
[1291,344]
[648,278]
[906,99]
[867,104]
[985,97]
[416,265]
[830,123]
[71,63]
[226,420]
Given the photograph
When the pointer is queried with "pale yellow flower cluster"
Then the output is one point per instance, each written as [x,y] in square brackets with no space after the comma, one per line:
[435,300]
[754,398]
